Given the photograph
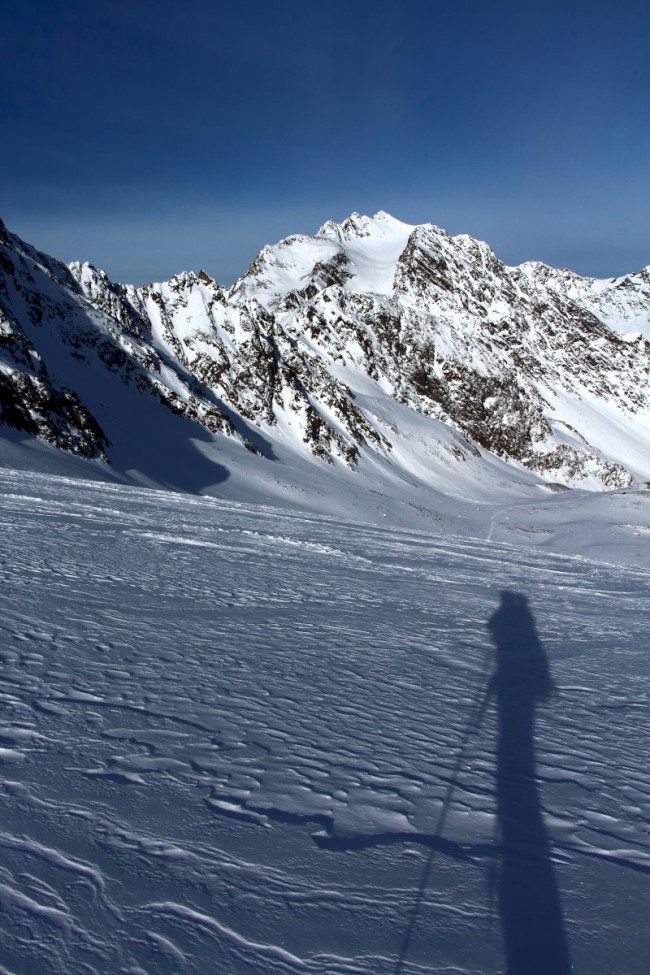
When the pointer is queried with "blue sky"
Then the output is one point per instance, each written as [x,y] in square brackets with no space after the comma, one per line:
[152,136]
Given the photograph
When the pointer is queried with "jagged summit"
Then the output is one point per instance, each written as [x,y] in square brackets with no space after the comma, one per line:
[359,225]
[361,254]
[328,344]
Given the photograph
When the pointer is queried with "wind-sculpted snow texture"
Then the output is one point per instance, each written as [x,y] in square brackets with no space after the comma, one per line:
[241,740]
[536,366]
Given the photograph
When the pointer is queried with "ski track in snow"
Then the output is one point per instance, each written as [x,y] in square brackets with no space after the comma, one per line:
[235,740]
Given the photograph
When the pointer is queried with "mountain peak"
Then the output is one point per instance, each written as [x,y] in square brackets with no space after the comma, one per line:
[359,225]
[338,344]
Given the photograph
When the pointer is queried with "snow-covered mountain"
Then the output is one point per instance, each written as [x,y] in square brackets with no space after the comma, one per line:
[327,345]
[377,705]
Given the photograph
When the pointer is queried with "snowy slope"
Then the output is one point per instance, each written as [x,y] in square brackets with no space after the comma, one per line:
[244,740]
[621,303]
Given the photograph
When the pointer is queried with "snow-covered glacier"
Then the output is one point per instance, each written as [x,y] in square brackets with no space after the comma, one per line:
[324,614]
[240,738]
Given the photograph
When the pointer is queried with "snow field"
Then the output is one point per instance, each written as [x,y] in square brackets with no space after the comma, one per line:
[245,740]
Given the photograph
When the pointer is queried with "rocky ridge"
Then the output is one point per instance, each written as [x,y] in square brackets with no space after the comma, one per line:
[538,366]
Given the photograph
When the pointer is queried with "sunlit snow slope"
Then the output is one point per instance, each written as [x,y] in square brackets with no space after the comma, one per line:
[242,740]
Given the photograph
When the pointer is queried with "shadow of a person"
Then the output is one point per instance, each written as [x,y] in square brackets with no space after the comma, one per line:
[529,903]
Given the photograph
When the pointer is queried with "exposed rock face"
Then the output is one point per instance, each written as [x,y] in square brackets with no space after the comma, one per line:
[533,364]
[30,400]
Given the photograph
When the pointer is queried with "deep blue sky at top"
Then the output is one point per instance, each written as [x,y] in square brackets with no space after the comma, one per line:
[150,136]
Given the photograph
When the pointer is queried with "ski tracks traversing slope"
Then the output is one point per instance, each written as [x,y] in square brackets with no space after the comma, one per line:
[230,737]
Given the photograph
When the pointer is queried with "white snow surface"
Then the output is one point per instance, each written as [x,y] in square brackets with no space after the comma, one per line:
[241,738]
[371,246]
